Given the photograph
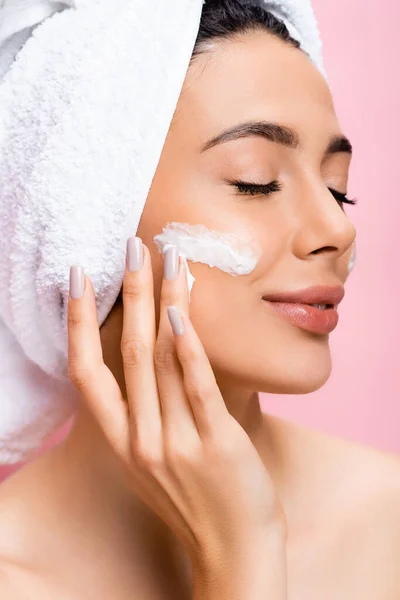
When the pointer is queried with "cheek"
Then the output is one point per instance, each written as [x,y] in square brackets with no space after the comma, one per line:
[352,259]
[249,346]
[228,252]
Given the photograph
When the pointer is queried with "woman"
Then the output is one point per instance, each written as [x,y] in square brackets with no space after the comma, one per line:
[88,519]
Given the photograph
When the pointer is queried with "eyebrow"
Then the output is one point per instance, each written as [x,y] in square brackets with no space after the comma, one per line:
[280,134]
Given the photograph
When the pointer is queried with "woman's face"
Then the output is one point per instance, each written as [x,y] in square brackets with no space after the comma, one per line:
[304,235]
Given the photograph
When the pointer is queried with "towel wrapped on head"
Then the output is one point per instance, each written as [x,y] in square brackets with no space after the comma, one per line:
[81,133]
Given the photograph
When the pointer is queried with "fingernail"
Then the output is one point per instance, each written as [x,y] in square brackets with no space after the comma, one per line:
[171,256]
[76,281]
[134,253]
[175,320]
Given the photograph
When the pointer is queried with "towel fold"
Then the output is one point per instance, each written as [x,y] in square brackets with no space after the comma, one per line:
[81,132]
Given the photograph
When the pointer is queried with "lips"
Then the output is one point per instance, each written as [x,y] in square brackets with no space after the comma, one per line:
[296,306]
[312,295]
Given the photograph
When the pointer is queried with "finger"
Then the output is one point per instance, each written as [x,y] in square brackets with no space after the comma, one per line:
[177,416]
[86,368]
[137,343]
[200,385]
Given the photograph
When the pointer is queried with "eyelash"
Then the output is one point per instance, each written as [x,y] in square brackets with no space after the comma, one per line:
[253,189]
[342,197]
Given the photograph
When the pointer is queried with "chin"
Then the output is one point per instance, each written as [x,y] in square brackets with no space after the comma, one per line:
[297,381]
[280,368]
[299,372]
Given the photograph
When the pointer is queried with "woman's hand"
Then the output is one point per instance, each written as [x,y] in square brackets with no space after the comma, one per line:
[185,455]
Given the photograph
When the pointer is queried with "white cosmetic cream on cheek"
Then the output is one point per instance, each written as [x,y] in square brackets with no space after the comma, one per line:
[230,253]
[352,259]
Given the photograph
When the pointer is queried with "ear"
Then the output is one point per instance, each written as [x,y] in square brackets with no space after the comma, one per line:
[18,18]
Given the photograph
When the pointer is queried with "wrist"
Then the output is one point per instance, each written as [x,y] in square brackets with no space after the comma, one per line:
[249,570]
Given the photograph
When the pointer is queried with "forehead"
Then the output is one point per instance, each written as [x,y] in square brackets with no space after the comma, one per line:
[255,76]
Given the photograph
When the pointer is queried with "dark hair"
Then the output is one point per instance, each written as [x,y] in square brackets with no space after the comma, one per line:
[222,19]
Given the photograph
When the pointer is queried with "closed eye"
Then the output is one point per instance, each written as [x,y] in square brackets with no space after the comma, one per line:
[254,189]
[342,197]
[245,187]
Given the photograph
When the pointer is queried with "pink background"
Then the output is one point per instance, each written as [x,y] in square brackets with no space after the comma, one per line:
[360,401]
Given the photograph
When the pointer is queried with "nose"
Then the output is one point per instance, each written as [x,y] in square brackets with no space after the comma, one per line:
[324,228]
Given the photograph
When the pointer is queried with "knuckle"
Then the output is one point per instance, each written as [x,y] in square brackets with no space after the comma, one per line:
[186,453]
[133,351]
[199,392]
[80,375]
[133,286]
[169,296]
[73,321]
[165,358]
[145,457]
[230,441]
[190,356]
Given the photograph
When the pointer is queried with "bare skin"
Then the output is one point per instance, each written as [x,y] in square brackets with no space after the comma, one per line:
[70,526]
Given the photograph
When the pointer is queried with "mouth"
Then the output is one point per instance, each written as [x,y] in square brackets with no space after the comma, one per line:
[323,306]
[312,309]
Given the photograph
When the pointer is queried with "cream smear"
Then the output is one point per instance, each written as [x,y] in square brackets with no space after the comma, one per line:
[352,259]
[226,251]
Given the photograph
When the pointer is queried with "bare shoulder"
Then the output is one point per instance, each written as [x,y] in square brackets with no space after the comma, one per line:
[350,492]
[18,582]
[344,477]
[369,511]
[367,470]
[354,490]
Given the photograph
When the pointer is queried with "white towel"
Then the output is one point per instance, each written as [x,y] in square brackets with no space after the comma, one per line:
[81,132]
